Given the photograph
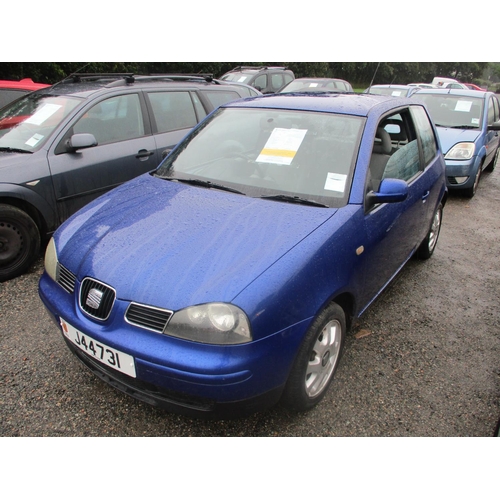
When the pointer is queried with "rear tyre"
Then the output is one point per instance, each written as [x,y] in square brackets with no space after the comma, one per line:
[426,248]
[19,242]
[316,361]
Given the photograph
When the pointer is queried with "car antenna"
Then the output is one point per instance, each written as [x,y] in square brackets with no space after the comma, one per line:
[74,73]
[373,78]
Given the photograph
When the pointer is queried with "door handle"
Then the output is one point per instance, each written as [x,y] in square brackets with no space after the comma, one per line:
[144,154]
[425,196]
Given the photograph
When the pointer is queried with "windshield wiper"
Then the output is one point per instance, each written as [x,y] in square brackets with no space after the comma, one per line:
[15,150]
[463,126]
[294,199]
[208,184]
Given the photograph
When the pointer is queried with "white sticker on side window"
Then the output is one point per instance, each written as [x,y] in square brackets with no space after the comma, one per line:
[335,182]
[282,146]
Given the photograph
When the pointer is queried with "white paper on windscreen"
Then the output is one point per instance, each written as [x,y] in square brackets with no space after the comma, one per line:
[43,114]
[335,182]
[463,106]
[282,146]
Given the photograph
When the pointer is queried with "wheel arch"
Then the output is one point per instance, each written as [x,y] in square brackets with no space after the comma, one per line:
[348,303]
[31,203]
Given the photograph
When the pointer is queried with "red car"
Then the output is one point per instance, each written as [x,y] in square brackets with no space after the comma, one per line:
[474,87]
[11,90]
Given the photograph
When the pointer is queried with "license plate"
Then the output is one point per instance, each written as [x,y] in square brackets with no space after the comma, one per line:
[117,360]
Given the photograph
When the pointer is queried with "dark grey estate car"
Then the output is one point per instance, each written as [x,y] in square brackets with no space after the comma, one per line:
[63,146]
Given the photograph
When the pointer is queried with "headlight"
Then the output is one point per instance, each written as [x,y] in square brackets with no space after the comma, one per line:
[461,151]
[215,323]
[51,260]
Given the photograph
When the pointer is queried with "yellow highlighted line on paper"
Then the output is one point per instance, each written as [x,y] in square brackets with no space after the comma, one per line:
[278,152]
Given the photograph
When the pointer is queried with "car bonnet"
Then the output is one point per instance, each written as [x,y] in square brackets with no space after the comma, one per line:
[448,137]
[171,245]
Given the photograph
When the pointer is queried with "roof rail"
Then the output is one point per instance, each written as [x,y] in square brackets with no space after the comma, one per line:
[239,68]
[78,77]
[121,79]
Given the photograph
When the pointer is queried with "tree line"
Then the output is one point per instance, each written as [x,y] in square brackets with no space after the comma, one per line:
[359,74]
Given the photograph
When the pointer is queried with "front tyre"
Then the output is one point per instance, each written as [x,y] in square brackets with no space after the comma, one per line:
[426,248]
[492,164]
[19,242]
[317,360]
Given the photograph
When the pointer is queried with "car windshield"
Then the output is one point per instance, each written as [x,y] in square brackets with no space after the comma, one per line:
[238,77]
[295,156]
[26,124]
[456,111]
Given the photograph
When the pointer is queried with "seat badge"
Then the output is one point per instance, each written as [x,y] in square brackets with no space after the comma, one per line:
[94,298]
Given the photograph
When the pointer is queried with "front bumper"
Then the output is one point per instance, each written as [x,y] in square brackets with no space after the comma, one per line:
[184,377]
[461,174]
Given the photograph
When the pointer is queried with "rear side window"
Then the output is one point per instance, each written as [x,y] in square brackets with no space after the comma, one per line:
[426,133]
[172,110]
[218,98]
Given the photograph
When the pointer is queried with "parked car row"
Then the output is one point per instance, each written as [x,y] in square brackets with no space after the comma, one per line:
[67,144]
[225,280]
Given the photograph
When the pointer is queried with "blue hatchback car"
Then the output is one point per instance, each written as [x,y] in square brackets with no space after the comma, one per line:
[226,280]
[467,122]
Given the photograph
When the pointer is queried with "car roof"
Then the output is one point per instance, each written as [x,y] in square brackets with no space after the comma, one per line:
[345,103]
[390,86]
[459,92]
[256,69]
[83,85]
[318,79]
[24,84]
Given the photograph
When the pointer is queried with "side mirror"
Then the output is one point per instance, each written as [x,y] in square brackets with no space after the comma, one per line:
[80,141]
[494,126]
[389,191]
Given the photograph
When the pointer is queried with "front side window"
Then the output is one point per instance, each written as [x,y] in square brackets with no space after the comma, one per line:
[395,153]
[264,152]
[115,119]
[27,124]
[260,82]
[491,112]
[172,110]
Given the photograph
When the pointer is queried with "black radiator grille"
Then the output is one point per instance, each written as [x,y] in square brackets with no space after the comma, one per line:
[66,278]
[148,317]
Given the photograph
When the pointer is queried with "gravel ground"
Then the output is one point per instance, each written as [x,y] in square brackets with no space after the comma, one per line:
[424,360]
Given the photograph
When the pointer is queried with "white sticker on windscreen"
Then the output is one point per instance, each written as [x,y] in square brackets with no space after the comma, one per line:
[282,146]
[34,140]
[335,182]
[463,106]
